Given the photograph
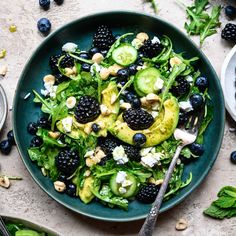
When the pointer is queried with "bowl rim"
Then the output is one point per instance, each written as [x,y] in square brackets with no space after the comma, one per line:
[5,106]
[221,113]
[224,79]
[29,223]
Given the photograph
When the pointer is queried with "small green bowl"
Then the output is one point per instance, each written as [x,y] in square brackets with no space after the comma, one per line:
[81,32]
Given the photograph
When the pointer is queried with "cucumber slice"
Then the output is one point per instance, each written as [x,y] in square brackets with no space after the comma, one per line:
[125,55]
[145,80]
[130,190]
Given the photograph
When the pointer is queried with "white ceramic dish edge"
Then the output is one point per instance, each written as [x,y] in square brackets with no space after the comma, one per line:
[228,78]
[5,107]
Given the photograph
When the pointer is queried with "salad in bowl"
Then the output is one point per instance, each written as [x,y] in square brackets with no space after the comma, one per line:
[109,115]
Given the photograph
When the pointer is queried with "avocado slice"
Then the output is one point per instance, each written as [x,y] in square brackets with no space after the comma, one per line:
[78,128]
[85,192]
[162,128]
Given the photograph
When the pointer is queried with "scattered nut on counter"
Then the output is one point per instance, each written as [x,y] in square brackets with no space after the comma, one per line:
[4,181]
[3,70]
[181,224]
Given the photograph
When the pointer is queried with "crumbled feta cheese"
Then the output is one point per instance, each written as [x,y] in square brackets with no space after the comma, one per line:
[189,78]
[50,90]
[154,114]
[67,124]
[137,43]
[89,153]
[119,155]
[159,84]
[151,159]
[122,190]
[155,40]
[145,151]
[95,68]
[186,106]
[44,92]
[126,183]
[69,47]
[121,177]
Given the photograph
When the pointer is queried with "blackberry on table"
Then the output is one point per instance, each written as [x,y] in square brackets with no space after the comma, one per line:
[67,161]
[148,193]
[229,32]
[87,109]
[103,37]
[150,49]
[180,87]
[137,118]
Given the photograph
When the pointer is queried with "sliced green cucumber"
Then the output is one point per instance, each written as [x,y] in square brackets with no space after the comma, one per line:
[145,80]
[125,55]
[27,232]
[130,190]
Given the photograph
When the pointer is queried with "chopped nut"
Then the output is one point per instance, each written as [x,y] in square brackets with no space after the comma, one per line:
[70,102]
[59,186]
[142,36]
[104,73]
[49,79]
[144,102]
[3,53]
[44,172]
[74,69]
[175,61]
[3,70]
[89,162]
[113,98]
[155,106]
[54,135]
[87,173]
[4,181]
[100,154]
[151,97]
[88,128]
[69,71]
[104,110]
[181,224]
[97,58]
[89,153]
[125,105]
[114,68]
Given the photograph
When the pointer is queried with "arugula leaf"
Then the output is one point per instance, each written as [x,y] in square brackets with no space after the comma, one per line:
[213,22]
[13,227]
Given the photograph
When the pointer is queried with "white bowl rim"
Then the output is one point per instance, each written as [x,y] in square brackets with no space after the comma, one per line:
[5,106]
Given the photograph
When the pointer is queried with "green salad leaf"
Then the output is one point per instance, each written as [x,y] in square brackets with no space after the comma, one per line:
[225,205]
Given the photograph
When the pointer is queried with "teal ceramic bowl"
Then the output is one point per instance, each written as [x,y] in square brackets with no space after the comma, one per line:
[81,32]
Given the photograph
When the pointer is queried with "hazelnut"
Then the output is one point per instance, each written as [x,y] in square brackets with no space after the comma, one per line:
[181,224]
[3,70]
[114,68]
[54,135]
[104,73]
[97,58]
[89,162]
[69,71]
[70,102]
[4,181]
[125,105]
[142,36]
[151,97]
[175,61]
[49,79]
[59,186]
[74,69]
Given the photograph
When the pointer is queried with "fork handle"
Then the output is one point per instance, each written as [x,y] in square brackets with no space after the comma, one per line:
[150,221]
[3,228]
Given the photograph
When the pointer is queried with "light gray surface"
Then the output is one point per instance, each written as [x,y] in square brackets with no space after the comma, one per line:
[27,199]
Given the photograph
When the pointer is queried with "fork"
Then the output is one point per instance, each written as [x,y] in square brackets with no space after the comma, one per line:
[186,136]
[3,228]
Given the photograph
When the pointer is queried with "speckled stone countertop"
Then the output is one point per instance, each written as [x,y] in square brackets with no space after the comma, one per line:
[25,198]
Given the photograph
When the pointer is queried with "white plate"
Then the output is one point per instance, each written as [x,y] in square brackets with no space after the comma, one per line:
[228,82]
[3,107]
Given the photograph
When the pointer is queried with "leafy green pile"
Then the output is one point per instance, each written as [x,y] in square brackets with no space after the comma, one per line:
[201,22]
[18,229]
[225,205]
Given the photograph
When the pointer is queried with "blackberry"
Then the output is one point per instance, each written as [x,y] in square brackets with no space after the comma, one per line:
[148,193]
[60,78]
[87,109]
[150,49]
[180,87]
[108,144]
[229,32]
[103,37]
[67,61]
[67,161]
[132,152]
[137,118]
[104,160]
[53,62]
